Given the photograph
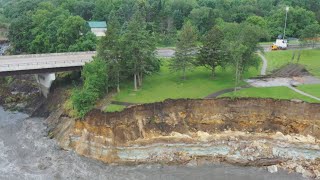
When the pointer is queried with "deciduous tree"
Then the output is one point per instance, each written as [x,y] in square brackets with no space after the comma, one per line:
[241,42]
[311,34]
[95,80]
[212,54]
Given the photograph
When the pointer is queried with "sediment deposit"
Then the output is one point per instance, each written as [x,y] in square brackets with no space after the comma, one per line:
[249,132]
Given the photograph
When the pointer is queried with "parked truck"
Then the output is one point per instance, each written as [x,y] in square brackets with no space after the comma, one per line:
[281,44]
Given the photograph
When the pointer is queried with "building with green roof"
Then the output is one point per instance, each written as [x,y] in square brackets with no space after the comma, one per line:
[98,28]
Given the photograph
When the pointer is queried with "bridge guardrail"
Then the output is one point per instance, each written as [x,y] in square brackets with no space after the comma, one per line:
[44,63]
[48,54]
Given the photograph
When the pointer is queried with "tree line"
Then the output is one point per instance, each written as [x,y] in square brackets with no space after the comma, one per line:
[53,25]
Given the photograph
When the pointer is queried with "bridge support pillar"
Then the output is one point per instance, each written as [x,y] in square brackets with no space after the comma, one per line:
[45,81]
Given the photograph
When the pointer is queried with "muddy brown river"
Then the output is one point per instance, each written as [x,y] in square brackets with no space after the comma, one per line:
[26,153]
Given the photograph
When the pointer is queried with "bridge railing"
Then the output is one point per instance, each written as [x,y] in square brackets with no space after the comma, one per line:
[46,64]
[48,55]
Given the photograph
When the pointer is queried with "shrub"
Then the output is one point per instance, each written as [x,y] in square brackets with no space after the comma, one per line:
[95,83]
[83,101]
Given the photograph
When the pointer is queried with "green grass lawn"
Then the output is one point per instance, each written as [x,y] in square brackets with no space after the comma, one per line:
[166,84]
[270,92]
[309,58]
[114,108]
[313,89]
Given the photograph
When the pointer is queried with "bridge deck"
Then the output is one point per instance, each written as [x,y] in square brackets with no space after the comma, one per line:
[44,61]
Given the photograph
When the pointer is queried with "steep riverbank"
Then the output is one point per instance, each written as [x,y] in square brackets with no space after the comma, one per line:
[247,132]
[27,153]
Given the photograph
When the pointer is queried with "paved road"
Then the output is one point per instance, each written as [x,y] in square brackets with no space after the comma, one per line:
[267,47]
[264,65]
[165,52]
[303,93]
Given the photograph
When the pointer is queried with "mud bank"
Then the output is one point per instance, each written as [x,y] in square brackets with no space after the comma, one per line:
[248,132]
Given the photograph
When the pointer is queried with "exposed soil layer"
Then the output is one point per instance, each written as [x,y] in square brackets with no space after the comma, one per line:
[212,116]
[258,132]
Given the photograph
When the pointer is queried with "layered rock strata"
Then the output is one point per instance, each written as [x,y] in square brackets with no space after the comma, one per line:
[258,132]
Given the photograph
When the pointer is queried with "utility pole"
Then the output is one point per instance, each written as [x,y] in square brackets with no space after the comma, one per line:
[285,23]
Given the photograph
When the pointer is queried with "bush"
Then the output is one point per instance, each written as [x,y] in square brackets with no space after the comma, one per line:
[95,79]
[83,101]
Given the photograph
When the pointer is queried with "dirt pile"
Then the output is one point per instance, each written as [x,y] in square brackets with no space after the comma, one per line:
[290,70]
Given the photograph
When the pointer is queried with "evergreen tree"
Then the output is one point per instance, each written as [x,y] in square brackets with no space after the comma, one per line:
[185,50]
[139,49]
[109,49]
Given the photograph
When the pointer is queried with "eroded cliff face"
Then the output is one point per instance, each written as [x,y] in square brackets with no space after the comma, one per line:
[243,131]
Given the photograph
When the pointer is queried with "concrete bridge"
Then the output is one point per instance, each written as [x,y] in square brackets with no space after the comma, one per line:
[43,63]
[44,66]
[53,62]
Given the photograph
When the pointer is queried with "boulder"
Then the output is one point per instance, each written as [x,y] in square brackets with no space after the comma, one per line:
[272,169]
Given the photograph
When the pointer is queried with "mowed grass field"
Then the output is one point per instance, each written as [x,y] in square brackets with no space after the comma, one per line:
[309,58]
[270,92]
[169,85]
[313,89]
[199,84]
[114,108]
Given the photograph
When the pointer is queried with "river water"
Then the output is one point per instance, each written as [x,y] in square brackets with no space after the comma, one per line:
[26,153]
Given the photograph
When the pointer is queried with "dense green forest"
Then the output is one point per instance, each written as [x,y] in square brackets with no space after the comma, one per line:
[39,26]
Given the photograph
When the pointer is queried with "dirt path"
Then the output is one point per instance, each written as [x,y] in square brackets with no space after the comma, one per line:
[224,91]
